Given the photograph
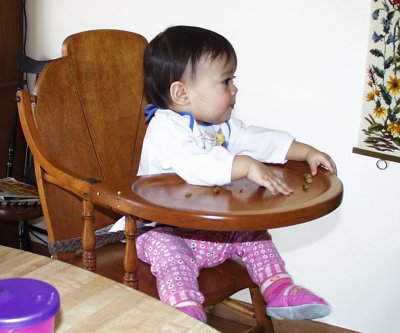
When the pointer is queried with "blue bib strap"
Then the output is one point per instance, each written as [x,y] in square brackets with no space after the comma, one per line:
[226,122]
[229,127]
[191,118]
[150,111]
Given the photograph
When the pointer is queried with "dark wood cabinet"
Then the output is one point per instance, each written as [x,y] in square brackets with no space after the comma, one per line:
[11,44]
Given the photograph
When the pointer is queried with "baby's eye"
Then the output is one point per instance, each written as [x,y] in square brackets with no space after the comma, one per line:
[229,81]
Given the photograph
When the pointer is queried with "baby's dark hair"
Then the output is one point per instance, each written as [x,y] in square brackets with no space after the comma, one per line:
[169,53]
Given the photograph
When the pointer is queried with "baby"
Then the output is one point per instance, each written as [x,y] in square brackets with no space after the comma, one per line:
[189,82]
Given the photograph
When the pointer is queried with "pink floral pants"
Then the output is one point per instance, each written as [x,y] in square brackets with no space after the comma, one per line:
[176,256]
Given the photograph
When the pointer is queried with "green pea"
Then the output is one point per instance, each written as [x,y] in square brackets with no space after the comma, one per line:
[307,178]
[216,189]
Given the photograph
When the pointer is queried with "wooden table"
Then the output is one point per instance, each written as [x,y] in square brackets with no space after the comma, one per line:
[92,303]
[242,205]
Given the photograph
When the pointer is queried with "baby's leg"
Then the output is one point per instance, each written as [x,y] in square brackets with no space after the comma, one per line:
[284,299]
[175,269]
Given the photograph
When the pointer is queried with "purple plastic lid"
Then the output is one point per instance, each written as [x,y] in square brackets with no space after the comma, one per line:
[26,302]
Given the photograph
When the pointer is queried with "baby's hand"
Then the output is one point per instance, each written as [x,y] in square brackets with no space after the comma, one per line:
[316,158]
[265,176]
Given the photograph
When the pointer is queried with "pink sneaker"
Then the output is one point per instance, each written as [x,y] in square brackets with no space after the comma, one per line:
[194,311]
[296,303]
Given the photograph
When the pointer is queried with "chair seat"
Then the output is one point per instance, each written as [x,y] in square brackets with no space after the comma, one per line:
[214,282]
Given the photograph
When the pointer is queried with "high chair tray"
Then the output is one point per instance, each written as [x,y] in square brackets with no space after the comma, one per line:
[242,205]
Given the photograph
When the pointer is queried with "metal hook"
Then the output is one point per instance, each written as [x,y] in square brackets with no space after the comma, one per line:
[382,164]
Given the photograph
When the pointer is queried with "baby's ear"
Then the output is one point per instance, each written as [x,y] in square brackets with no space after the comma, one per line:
[178,93]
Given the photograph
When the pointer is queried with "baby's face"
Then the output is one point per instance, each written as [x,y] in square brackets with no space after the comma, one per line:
[212,93]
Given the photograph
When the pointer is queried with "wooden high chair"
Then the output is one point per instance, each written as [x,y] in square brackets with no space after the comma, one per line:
[84,124]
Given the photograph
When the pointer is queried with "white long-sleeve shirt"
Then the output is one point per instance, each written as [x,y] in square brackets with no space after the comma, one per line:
[203,154]
[196,154]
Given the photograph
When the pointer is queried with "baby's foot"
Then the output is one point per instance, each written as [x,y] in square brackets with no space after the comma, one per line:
[296,303]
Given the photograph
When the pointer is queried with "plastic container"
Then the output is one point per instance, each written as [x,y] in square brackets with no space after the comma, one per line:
[27,306]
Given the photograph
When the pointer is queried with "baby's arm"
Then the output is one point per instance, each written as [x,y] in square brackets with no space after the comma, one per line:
[302,152]
[246,166]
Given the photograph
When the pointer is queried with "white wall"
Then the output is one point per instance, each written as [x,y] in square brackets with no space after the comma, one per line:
[301,68]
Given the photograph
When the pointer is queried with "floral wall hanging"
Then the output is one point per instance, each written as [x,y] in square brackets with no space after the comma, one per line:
[380,119]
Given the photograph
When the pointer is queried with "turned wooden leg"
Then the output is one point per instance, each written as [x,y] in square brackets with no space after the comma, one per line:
[130,259]
[260,311]
[89,237]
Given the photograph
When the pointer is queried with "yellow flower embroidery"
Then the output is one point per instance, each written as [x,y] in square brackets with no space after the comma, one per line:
[394,129]
[393,85]
[380,112]
[370,96]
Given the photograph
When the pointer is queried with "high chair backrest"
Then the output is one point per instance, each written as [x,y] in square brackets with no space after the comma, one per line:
[89,115]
